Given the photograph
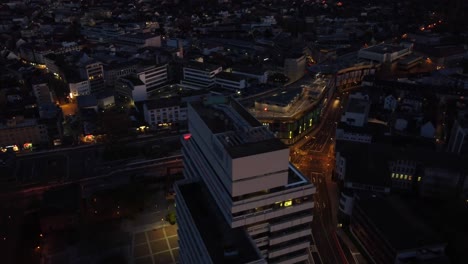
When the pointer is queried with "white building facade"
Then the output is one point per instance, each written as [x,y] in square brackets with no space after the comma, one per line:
[247,172]
[79,88]
[199,76]
[164,112]
[153,76]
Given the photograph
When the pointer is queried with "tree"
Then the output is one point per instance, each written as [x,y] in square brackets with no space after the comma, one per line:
[171,217]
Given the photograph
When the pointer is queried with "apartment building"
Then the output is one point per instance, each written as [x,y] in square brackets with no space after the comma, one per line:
[114,71]
[458,136]
[242,173]
[404,239]
[78,86]
[19,131]
[131,87]
[163,113]
[94,72]
[42,92]
[199,75]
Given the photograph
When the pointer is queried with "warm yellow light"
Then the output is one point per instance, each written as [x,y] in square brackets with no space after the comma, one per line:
[288,203]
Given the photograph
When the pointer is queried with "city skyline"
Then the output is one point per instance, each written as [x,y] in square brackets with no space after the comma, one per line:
[233,131]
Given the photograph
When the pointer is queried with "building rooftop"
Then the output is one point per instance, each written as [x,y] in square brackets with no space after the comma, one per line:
[365,164]
[384,48]
[201,66]
[86,101]
[410,59]
[253,148]
[240,133]
[248,70]
[229,76]
[357,105]
[163,103]
[283,98]
[218,237]
[398,224]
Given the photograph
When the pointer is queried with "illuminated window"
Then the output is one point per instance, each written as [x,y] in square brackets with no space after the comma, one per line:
[410,177]
[290,134]
[406,177]
[393,175]
[288,203]
[419,178]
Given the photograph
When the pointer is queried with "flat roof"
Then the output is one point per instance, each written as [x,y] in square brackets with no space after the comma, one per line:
[163,103]
[248,70]
[365,164]
[410,59]
[384,48]
[241,134]
[398,224]
[368,163]
[229,76]
[201,66]
[357,105]
[217,235]
[282,98]
[254,148]
[212,116]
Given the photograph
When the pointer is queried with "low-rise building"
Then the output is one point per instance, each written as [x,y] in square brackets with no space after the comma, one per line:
[78,86]
[357,110]
[42,92]
[19,131]
[230,81]
[261,76]
[199,75]
[131,87]
[384,53]
[165,113]
[391,233]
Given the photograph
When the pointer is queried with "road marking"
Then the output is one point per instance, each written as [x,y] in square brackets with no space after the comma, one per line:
[168,245]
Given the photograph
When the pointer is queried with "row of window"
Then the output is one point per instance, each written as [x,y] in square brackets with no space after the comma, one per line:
[398,176]
[176,108]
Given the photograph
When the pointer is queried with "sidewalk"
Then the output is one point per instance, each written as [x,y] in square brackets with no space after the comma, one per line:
[334,203]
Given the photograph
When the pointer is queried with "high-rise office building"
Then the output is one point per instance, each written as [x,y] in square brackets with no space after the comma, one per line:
[241,200]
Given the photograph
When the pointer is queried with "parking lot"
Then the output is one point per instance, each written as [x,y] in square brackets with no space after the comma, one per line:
[156,246]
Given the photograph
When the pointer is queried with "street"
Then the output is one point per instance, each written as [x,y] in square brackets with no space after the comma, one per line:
[314,156]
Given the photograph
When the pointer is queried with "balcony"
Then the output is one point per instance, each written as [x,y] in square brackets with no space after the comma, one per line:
[291,221]
[252,218]
[288,249]
[286,236]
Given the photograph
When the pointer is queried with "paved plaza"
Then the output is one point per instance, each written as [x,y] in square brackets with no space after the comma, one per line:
[156,246]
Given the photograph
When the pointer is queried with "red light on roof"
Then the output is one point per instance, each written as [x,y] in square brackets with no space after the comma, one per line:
[266,109]
[187,136]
